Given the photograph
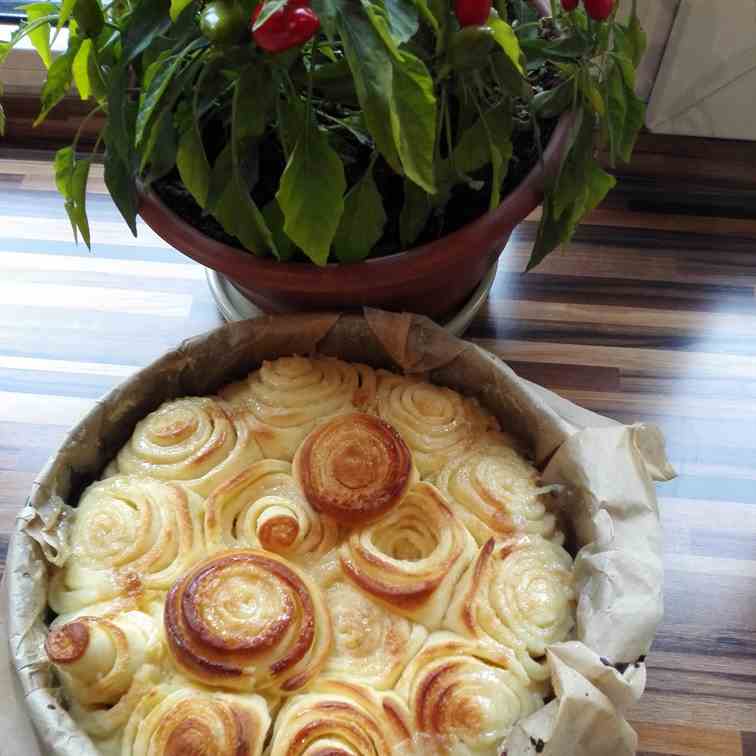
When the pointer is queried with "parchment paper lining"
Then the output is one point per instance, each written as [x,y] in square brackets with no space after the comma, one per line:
[606,470]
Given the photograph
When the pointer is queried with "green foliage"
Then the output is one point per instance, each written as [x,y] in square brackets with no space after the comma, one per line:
[297,154]
[269,8]
[362,222]
[87,72]
[71,179]
[65,12]
[89,17]
[59,80]
[311,195]
[229,197]
[178,7]
[604,102]
[192,164]
[416,210]
[580,187]
[403,18]
[285,248]
[488,140]
[507,40]
[395,90]
[39,33]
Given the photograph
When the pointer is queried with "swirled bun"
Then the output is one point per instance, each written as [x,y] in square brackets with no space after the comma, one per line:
[463,697]
[288,396]
[410,559]
[180,720]
[262,507]
[341,718]
[131,535]
[437,424]
[248,620]
[354,468]
[371,645]
[519,594]
[495,492]
[199,441]
[97,658]
[106,666]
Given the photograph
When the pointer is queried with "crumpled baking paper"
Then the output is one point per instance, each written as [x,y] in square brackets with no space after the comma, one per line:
[606,472]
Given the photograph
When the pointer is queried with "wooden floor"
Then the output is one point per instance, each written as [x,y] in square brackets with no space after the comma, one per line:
[646,317]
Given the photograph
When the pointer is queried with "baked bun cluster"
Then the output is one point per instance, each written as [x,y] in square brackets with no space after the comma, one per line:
[321,559]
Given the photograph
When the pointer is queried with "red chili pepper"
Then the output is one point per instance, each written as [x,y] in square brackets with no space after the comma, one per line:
[472,12]
[570,5]
[289,27]
[599,10]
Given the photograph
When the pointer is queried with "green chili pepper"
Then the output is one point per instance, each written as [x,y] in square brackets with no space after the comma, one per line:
[223,23]
[89,17]
[471,47]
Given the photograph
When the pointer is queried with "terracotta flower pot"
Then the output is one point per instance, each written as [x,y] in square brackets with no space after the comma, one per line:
[434,279]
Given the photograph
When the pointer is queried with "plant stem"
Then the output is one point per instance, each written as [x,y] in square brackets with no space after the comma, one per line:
[554,13]
[529,25]
[83,123]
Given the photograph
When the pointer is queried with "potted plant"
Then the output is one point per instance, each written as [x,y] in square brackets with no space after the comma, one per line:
[338,153]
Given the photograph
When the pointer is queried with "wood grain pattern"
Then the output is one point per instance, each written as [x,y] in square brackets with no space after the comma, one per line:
[647,316]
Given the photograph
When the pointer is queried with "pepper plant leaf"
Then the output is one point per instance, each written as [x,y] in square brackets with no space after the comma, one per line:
[363,220]
[510,63]
[403,18]
[162,148]
[193,166]
[275,220]
[507,41]
[328,12]
[121,184]
[636,36]
[121,114]
[268,9]
[492,127]
[191,158]
[149,20]
[64,12]
[582,185]
[552,102]
[234,207]
[40,32]
[157,81]
[415,213]
[178,7]
[59,80]
[426,13]
[616,110]
[634,119]
[83,69]
[71,180]
[311,194]
[120,157]
[78,192]
[395,91]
